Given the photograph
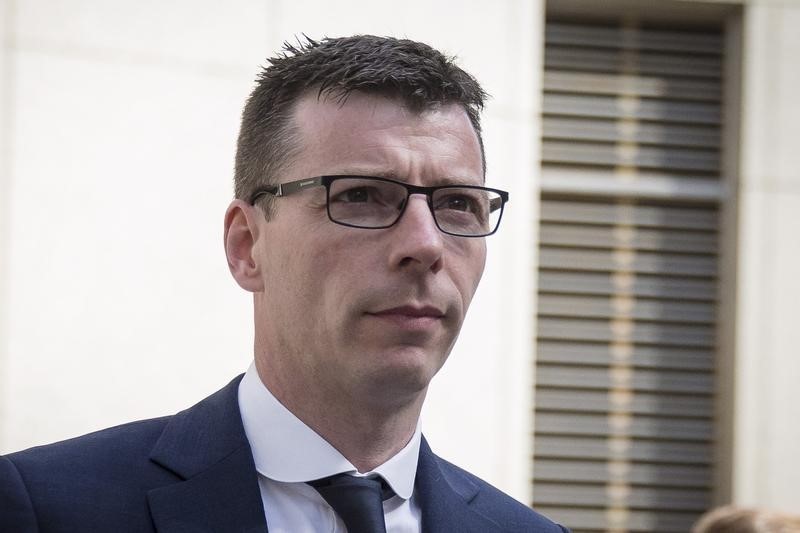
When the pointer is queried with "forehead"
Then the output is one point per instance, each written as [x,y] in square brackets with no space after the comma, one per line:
[372,134]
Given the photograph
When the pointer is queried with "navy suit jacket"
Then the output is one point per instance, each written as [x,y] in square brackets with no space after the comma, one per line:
[194,472]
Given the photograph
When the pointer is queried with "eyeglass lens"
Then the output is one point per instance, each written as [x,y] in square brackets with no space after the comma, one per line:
[376,204]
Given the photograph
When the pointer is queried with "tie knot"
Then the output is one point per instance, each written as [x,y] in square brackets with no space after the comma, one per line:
[357,500]
[347,480]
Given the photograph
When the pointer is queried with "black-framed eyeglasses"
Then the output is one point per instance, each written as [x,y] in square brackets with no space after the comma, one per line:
[376,203]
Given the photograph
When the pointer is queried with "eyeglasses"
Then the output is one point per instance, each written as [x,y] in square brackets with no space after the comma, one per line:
[376,203]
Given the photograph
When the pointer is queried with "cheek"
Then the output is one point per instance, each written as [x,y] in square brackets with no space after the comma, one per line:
[470,260]
[293,278]
[325,269]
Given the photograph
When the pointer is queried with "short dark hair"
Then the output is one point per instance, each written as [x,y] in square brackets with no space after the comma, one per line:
[417,74]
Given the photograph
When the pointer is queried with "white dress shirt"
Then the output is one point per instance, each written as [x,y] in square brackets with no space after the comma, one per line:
[288,453]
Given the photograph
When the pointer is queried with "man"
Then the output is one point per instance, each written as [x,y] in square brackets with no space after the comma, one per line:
[358,225]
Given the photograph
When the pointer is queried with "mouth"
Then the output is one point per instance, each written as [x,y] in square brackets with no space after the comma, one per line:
[410,316]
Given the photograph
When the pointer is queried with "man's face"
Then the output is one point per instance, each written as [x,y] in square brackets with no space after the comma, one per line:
[371,313]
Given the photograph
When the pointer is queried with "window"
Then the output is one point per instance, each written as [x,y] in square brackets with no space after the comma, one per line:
[628,276]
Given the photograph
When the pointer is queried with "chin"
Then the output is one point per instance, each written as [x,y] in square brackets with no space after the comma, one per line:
[410,369]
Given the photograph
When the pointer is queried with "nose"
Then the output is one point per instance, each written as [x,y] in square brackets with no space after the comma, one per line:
[416,242]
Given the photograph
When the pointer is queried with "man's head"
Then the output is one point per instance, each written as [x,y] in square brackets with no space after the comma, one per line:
[347,315]
[735,519]
[418,75]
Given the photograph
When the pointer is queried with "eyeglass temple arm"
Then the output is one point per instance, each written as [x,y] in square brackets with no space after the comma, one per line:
[285,189]
[496,203]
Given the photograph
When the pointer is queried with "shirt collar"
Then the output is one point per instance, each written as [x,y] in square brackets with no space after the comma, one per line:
[286,449]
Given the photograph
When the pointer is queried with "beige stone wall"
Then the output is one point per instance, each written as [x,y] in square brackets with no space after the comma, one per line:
[767,379]
[123,123]
[5,183]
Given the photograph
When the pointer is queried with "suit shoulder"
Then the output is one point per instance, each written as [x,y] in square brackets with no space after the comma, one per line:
[100,459]
[117,442]
[81,481]
[497,506]
[18,513]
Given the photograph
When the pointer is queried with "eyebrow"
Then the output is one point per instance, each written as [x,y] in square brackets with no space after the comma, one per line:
[389,174]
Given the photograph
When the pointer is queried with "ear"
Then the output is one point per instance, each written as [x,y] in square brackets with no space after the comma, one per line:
[241,235]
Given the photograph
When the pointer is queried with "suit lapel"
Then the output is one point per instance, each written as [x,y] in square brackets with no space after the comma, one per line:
[206,447]
[445,496]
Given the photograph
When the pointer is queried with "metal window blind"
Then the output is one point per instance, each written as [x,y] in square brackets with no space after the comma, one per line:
[627,277]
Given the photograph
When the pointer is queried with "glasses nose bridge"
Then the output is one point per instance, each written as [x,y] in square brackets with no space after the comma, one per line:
[416,190]
[427,192]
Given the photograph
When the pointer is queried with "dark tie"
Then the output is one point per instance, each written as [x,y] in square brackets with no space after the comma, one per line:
[357,500]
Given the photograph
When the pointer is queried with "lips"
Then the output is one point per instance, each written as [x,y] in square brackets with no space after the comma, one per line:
[414,319]
[411,311]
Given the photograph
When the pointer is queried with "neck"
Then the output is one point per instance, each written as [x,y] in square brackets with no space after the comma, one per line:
[365,430]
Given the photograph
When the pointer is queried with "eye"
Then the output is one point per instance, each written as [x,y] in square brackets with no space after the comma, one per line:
[458,202]
[356,195]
